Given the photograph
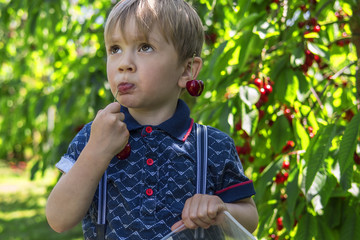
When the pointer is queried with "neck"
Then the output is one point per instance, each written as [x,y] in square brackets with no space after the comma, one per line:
[153,117]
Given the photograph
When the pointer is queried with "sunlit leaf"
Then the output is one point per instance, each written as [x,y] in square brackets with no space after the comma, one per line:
[346,152]
[317,151]
[280,133]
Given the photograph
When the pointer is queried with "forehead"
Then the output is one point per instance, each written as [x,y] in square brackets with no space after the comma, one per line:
[130,32]
[140,15]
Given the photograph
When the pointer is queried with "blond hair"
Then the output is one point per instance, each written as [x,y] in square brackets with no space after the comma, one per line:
[176,19]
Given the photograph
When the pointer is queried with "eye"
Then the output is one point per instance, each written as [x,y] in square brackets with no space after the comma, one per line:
[146,48]
[114,49]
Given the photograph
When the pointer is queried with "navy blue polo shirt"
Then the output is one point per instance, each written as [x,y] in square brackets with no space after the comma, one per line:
[147,191]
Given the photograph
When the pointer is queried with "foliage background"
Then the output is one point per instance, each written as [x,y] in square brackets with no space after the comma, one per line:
[53,80]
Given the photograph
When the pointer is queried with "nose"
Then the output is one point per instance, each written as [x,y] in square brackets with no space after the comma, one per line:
[127,64]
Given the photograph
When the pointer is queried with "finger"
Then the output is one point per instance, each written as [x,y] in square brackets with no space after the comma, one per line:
[99,112]
[196,213]
[176,225]
[216,206]
[186,219]
[113,107]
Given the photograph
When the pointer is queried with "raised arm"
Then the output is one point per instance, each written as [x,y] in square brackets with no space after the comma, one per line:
[71,197]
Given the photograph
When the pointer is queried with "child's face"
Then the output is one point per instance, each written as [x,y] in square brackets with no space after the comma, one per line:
[146,74]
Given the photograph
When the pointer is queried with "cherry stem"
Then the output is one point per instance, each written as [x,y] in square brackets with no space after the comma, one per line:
[115,100]
[192,64]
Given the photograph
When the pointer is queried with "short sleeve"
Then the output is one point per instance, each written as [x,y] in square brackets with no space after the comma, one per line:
[226,168]
[74,149]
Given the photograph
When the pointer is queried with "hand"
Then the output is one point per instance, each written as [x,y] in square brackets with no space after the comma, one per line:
[109,133]
[201,211]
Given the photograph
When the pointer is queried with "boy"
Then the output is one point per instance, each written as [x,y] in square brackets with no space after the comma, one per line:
[150,56]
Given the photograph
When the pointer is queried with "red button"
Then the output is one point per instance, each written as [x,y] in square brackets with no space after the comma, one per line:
[148,129]
[149,192]
[149,161]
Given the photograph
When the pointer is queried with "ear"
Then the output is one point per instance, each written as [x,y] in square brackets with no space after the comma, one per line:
[192,67]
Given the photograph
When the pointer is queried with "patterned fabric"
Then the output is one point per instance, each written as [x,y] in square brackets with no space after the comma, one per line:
[147,191]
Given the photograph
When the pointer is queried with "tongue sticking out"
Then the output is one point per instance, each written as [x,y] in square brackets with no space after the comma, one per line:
[125,87]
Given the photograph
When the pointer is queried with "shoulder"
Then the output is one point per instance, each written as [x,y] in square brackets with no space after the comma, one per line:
[217,136]
[83,134]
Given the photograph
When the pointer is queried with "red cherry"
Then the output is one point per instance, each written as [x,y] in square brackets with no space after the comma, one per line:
[340,43]
[286,164]
[195,87]
[317,28]
[303,8]
[261,114]
[317,58]
[289,145]
[283,197]
[258,82]
[210,38]
[313,21]
[301,24]
[264,98]
[262,91]
[279,223]
[304,68]
[356,158]
[125,153]
[238,125]
[349,114]
[309,58]
[268,89]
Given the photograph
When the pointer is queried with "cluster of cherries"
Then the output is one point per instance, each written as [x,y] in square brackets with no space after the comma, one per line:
[289,114]
[264,85]
[309,61]
[345,39]
[310,25]
[283,174]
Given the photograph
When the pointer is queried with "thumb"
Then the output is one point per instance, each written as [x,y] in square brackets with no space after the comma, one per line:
[113,107]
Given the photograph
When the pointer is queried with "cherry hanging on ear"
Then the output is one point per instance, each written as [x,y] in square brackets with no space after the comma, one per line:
[194,87]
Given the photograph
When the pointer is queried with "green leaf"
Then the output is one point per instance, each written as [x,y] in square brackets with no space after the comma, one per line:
[245,22]
[317,152]
[34,170]
[292,86]
[301,134]
[280,134]
[249,119]
[249,95]
[307,228]
[304,86]
[214,59]
[266,178]
[292,191]
[350,227]
[327,189]
[346,152]
[315,49]
[324,231]
[247,41]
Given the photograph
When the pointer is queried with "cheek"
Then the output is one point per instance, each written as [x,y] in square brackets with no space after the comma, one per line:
[110,77]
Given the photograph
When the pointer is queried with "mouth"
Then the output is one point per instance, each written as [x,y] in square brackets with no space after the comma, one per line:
[125,87]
